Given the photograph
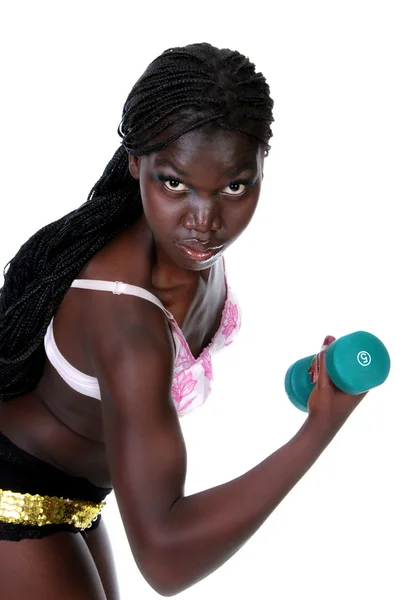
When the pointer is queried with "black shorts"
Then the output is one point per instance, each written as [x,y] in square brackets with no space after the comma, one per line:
[21,472]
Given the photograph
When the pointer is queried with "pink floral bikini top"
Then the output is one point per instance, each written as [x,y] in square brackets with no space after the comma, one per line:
[192,376]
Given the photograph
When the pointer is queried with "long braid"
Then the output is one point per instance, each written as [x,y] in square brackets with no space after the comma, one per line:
[181,90]
[41,273]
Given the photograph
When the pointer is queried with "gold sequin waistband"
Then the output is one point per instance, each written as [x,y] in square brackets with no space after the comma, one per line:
[32,509]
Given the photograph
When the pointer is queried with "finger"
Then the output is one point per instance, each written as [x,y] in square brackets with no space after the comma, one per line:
[323,378]
[314,368]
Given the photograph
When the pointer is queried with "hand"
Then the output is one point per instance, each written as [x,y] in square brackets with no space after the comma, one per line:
[327,402]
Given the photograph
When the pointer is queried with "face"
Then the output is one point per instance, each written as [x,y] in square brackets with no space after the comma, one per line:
[199,193]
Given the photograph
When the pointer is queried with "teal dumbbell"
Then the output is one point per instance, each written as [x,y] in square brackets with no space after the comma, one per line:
[355,363]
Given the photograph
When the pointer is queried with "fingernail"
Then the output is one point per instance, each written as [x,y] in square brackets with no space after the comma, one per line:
[326,340]
[312,375]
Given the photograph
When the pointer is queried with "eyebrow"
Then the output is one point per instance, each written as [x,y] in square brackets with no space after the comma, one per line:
[166,163]
[233,173]
[251,166]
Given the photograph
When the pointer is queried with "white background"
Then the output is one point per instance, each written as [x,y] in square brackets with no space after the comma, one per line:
[320,257]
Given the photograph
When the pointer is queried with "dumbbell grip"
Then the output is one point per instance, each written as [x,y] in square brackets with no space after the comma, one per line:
[355,364]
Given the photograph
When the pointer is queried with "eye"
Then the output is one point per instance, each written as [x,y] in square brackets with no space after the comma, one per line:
[175,185]
[234,189]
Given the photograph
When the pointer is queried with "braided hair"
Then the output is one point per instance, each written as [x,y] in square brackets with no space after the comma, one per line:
[181,90]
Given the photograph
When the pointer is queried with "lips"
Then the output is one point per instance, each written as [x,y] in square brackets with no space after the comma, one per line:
[199,251]
[199,246]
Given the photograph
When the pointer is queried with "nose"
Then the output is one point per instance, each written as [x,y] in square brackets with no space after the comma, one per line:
[203,216]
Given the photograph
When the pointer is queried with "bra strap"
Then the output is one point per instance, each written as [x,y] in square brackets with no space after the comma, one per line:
[118,288]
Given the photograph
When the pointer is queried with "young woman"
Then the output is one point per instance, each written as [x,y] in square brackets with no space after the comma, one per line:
[110,318]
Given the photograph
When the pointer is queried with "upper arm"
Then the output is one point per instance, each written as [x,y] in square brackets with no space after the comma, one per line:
[133,359]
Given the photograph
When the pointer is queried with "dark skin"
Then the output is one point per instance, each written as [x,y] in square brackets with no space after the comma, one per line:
[132,439]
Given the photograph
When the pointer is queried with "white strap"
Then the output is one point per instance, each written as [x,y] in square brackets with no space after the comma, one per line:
[84,384]
[118,287]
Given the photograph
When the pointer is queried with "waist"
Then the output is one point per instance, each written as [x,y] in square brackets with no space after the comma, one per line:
[34,429]
[25,474]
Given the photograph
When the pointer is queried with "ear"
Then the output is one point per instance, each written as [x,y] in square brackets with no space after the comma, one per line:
[133,165]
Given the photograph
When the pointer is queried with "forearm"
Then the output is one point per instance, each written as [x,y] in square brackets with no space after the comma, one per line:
[204,530]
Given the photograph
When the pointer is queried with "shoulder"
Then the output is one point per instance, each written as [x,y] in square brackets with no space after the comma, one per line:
[127,258]
[126,338]
[97,329]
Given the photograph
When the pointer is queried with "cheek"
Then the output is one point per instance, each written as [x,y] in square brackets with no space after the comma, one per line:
[238,216]
[160,205]
[151,200]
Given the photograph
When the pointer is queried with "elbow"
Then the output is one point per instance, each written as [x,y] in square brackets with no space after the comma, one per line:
[165,584]
[167,592]
[164,572]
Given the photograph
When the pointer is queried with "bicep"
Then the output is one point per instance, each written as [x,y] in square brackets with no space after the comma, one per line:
[144,442]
